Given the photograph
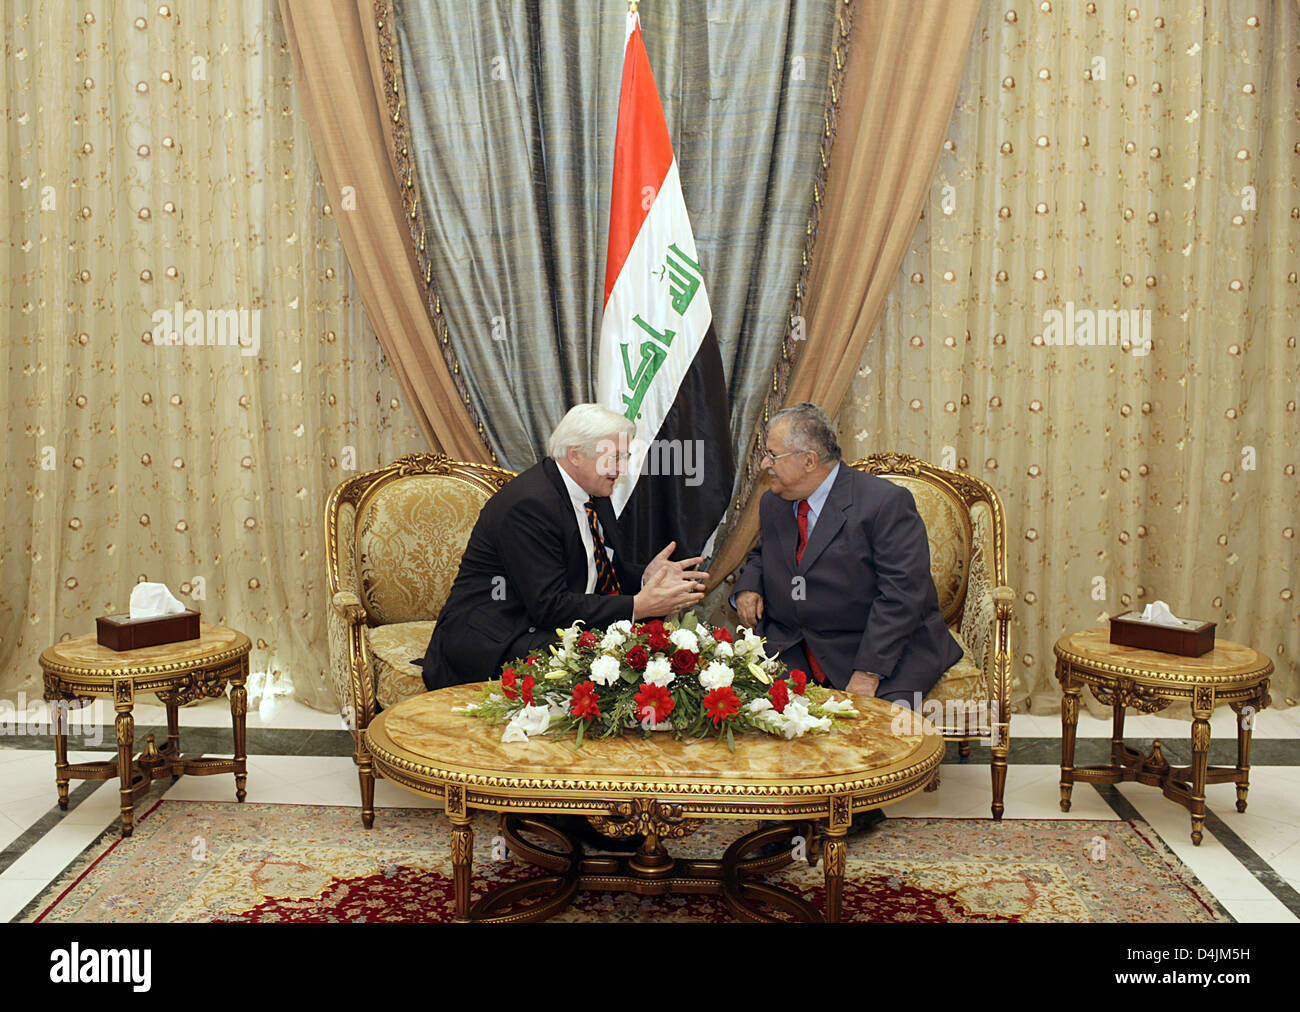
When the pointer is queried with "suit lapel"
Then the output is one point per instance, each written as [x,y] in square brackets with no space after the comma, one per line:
[787,531]
[831,519]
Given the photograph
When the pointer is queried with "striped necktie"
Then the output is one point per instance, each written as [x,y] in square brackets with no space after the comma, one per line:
[606,578]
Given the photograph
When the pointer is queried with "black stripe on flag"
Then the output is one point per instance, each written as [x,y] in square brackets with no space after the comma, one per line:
[689,469]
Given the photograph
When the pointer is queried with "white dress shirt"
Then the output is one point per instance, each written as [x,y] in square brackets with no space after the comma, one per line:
[579,496]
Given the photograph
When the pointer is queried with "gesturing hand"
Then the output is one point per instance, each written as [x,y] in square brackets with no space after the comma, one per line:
[661,561]
[669,591]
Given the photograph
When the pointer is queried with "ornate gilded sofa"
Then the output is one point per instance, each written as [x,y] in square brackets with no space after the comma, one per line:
[393,541]
[968,560]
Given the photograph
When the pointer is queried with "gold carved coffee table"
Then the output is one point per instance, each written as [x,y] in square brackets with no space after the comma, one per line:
[1149,680]
[654,786]
[177,673]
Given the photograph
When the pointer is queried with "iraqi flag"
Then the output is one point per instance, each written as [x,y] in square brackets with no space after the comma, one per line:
[659,362]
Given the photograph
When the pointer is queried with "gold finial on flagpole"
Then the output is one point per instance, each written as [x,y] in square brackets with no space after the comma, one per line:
[632,5]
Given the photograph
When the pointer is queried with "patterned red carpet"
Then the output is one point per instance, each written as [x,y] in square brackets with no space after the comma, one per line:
[216,861]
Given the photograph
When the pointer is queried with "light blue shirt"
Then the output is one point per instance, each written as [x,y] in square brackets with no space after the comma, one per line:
[817,500]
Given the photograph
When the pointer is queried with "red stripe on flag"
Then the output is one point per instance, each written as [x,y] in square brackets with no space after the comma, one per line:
[642,155]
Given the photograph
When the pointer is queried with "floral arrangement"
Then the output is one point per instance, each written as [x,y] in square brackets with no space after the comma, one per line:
[656,676]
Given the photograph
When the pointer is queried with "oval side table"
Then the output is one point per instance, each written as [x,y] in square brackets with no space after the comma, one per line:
[178,673]
[1149,680]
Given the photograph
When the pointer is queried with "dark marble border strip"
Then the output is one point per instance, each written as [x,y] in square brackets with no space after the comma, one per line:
[1232,843]
[29,837]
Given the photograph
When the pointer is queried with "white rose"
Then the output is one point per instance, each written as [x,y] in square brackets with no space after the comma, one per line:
[624,626]
[528,721]
[723,649]
[684,639]
[716,676]
[604,670]
[613,638]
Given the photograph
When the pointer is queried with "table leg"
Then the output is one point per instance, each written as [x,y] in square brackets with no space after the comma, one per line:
[124,728]
[833,857]
[1069,724]
[173,729]
[238,713]
[462,854]
[1117,733]
[61,750]
[1200,762]
[1245,725]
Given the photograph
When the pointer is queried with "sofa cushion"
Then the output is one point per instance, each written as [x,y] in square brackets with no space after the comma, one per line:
[392,648]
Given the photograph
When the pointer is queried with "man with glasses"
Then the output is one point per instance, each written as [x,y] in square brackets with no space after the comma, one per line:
[839,582]
[546,552]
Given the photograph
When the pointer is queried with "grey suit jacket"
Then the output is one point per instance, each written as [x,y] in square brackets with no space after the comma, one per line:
[862,597]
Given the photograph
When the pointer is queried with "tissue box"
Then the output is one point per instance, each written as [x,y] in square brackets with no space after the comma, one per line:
[1129,631]
[118,632]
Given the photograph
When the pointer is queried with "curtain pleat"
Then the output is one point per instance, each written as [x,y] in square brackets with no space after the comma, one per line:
[340,78]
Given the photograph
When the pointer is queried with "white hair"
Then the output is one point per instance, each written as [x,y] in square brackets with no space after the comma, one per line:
[584,426]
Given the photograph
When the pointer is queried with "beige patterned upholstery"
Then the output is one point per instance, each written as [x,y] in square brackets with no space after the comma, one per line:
[968,560]
[393,541]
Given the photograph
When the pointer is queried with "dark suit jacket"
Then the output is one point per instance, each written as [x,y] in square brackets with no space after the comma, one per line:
[522,576]
[866,600]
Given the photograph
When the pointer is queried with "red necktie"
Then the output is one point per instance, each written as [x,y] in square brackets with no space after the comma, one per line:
[817,671]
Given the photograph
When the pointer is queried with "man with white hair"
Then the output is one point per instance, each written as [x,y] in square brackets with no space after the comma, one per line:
[545,552]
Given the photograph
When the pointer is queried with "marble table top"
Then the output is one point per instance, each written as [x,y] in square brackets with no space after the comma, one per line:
[424,730]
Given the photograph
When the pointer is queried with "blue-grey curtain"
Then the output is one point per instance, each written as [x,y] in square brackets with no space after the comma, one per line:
[512,106]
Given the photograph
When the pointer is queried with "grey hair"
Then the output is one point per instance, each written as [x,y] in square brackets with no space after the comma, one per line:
[809,429]
[584,426]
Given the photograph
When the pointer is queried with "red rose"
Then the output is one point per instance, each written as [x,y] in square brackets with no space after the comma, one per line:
[655,627]
[637,658]
[722,636]
[585,703]
[659,642]
[526,690]
[653,702]
[588,640]
[800,679]
[531,661]
[780,695]
[683,662]
[721,704]
[508,683]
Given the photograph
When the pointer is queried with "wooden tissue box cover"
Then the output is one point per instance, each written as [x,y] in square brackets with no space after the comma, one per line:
[118,632]
[1168,640]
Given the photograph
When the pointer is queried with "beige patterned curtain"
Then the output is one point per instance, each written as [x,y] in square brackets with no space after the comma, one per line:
[157,157]
[1139,157]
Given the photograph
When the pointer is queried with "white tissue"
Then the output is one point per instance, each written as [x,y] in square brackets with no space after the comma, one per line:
[151,600]
[1158,613]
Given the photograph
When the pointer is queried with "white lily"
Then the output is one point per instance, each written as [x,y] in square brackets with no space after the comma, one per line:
[528,721]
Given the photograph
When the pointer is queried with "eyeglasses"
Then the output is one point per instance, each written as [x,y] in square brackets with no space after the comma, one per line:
[774,457]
